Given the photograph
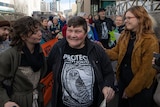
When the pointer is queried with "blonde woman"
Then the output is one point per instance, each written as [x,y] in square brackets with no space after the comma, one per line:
[134,53]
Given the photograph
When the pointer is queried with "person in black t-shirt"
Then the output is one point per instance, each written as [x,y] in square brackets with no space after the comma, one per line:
[103,26]
[83,75]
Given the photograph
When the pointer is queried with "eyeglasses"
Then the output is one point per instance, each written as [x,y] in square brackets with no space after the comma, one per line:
[118,20]
[128,18]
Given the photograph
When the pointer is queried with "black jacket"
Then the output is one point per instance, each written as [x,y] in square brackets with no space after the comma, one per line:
[99,60]
[121,28]
[109,23]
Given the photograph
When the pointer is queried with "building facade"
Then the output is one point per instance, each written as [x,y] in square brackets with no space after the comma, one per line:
[91,6]
[14,9]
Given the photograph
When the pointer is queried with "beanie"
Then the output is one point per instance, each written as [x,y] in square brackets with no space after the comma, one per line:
[50,17]
[101,9]
[3,21]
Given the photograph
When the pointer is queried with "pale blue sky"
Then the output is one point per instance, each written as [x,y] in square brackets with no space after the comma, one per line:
[64,4]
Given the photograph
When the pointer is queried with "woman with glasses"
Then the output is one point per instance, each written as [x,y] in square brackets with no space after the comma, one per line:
[134,53]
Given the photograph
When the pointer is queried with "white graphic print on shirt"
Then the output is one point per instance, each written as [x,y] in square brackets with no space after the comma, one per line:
[104,31]
[77,81]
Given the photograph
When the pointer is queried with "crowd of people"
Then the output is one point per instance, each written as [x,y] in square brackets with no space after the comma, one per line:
[96,58]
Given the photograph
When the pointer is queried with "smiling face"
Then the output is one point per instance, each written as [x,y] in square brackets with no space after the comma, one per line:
[76,32]
[4,33]
[86,18]
[45,22]
[55,20]
[76,37]
[102,14]
[119,21]
[131,22]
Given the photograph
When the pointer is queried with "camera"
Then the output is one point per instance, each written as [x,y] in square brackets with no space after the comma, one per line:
[157,61]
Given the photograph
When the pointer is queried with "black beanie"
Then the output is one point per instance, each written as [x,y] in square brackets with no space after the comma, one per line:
[4,22]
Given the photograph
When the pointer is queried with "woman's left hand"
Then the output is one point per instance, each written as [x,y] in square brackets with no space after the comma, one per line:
[100,44]
[125,95]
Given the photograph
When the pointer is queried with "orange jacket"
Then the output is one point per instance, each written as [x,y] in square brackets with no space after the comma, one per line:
[141,61]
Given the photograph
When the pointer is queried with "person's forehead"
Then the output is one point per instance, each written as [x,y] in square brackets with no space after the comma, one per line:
[5,27]
[85,16]
[119,17]
[76,27]
[45,19]
[129,14]
[55,19]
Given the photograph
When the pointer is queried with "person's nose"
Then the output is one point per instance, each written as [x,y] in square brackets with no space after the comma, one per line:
[39,33]
[125,21]
[73,34]
[7,31]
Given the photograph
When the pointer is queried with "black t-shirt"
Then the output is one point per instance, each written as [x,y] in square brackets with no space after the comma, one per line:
[126,74]
[78,87]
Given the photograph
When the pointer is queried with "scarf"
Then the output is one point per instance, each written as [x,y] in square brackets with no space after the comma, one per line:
[34,60]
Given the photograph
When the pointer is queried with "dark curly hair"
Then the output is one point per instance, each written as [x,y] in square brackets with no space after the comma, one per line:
[23,27]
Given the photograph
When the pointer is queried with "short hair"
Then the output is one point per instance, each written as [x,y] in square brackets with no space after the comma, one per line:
[77,21]
[55,17]
[42,19]
[119,16]
[24,26]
